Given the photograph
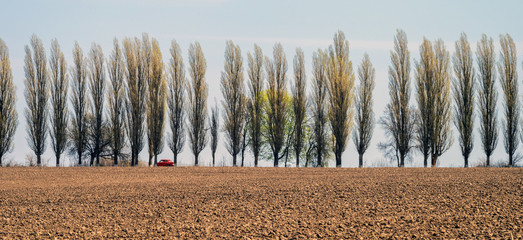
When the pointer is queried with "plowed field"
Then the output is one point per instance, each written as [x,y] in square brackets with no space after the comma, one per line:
[201,202]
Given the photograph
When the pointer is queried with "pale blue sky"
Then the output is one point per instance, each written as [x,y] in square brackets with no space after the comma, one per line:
[368,25]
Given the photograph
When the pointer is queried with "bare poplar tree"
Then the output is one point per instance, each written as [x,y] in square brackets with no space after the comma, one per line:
[399,116]
[8,114]
[215,125]
[234,101]
[425,88]
[80,103]
[341,93]
[488,95]
[156,104]
[299,103]
[116,100]
[176,100]
[136,93]
[276,107]
[97,87]
[441,138]
[319,103]
[255,106]
[59,89]
[464,87]
[364,114]
[36,95]
[198,100]
[433,88]
[509,83]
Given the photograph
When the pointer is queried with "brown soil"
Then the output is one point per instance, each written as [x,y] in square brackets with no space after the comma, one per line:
[201,202]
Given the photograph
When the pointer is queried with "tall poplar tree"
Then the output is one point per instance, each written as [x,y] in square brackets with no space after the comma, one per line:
[341,93]
[197,112]
[8,114]
[59,89]
[488,95]
[36,95]
[509,83]
[234,100]
[464,96]
[364,114]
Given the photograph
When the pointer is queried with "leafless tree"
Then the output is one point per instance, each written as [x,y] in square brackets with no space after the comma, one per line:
[176,100]
[425,87]
[464,88]
[441,138]
[299,103]
[8,114]
[36,95]
[215,125]
[156,104]
[136,95]
[399,117]
[364,114]
[319,102]
[97,87]
[433,88]
[80,103]
[234,100]
[59,89]
[509,83]
[197,112]
[276,107]
[488,95]
[255,63]
[341,93]
[116,100]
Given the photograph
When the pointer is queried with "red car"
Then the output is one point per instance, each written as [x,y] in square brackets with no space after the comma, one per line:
[165,163]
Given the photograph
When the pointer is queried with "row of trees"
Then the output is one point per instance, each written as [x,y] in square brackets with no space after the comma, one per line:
[427,127]
[113,112]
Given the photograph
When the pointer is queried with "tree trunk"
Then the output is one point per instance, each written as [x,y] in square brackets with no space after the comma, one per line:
[234,160]
[402,160]
[488,160]
[425,160]
[91,163]
[98,159]
[213,160]
[275,154]
[319,159]
[115,158]
[243,157]
[338,160]
[58,159]
[297,160]
[155,159]
[361,160]
[79,157]
[510,160]
[256,160]
[466,161]
[196,159]
[434,159]
[150,160]
[38,160]
[175,159]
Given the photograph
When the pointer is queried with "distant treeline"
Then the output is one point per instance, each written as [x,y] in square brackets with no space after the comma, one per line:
[111,108]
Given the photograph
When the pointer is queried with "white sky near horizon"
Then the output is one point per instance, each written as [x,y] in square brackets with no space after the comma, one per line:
[368,25]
